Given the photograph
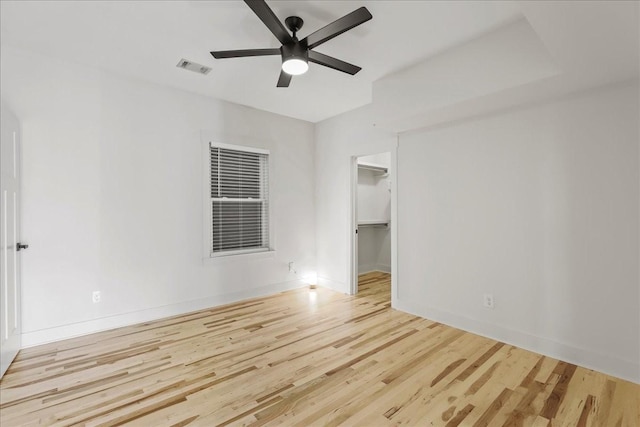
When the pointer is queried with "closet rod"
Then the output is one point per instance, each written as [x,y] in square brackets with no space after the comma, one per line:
[373,224]
[376,168]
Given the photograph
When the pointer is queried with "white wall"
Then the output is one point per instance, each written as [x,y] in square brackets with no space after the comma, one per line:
[446,86]
[112,197]
[552,190]
[540,208]
[338,140]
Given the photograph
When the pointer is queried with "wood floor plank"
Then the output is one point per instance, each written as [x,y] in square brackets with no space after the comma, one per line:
[304,358]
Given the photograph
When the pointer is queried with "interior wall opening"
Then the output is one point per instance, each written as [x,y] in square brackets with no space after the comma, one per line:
[372,246]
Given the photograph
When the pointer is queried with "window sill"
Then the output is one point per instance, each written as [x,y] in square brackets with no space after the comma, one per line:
[226,259]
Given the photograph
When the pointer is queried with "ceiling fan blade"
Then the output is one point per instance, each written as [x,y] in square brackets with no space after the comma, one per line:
[337,27]
[331,62]
[270,19]
[284,79]
[220,54]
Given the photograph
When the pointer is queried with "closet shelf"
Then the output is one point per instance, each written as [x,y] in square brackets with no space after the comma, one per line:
[373,223]
[382,170]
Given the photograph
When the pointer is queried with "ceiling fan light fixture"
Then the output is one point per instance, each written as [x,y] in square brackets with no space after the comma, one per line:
[295,58]
[295,53]
[295,66]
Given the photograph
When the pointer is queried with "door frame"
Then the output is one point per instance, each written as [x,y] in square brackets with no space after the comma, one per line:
[353,220]
[353,225]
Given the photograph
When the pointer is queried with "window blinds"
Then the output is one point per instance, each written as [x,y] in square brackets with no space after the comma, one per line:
[239,200]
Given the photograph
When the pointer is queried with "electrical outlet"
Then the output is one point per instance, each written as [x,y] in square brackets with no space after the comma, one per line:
[291,267]
[96,296]
[488,300]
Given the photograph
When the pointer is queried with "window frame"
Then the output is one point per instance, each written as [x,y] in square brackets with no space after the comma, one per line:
[208,253]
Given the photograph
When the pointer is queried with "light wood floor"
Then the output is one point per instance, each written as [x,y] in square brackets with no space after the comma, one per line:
[305,358]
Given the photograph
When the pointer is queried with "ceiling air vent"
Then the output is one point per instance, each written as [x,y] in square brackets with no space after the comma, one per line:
[192,66]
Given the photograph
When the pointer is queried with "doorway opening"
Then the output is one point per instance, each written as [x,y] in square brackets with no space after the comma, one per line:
[371,197]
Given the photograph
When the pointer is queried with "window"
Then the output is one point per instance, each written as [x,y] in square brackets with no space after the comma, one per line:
[239,200]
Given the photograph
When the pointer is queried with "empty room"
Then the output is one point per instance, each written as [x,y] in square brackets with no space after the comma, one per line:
[320,213]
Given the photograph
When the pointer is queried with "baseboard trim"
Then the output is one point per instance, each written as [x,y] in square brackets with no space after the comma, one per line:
[58,333]
[333,285]
[625,369]
[374,267]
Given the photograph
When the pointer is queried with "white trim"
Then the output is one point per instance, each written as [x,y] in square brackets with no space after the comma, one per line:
[333,285]
[43,336]
[239,252]
[206,197]
[252,253]
[353,226]
[371,268]
[626,369]
[235,147]
[395,276]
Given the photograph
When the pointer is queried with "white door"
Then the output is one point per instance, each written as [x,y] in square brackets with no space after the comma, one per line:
[10,247]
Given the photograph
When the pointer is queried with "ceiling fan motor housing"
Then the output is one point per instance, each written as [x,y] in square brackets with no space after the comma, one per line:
[297,50]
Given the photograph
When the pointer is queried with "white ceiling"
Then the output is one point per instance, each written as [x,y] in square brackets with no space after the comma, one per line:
[146,39]
[592,42]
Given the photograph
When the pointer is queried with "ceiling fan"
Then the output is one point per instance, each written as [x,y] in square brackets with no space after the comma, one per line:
[295,53]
